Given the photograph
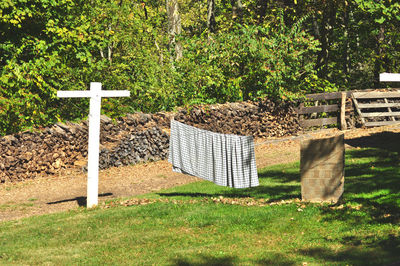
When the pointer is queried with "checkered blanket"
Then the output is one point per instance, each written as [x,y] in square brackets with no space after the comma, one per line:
[226,160]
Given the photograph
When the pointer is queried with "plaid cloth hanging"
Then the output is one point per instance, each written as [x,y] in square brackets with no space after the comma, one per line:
[226,160]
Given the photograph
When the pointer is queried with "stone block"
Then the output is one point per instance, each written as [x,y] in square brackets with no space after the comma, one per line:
[322,169]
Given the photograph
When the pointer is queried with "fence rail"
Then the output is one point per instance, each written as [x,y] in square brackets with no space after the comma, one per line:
[333,104]
[328,95]
[318,109]
[375,95]
[380,110]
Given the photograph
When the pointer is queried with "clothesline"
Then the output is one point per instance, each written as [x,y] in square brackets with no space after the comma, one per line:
[226,160]
[205,131]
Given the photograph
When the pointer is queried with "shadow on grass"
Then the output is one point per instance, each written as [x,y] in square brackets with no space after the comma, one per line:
[381,252]
[273,259]
[372,184]
[80,200]
[272,192]
[282,175]
[205,261]
[357,250]
[388,141]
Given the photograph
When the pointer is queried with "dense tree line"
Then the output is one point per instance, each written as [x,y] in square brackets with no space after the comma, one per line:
[179,52]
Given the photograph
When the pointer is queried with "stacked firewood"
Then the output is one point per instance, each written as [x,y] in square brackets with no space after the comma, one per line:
[259,119]
[128,140]
[134,138]
[139,146]
[29,154]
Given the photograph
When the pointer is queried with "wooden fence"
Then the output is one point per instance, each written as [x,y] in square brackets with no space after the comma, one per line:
[374,108]
[377,108]
[332,105]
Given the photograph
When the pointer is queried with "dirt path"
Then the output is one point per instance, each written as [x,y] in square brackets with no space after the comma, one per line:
[67,190]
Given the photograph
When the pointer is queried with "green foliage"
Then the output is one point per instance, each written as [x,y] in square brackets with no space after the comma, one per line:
[64,45]
[250,62]
[381,10]
[278,49]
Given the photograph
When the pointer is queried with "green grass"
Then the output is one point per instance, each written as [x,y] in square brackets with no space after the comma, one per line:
[14,206]
[363,230]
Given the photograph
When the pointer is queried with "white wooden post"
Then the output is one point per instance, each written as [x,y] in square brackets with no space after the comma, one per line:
[94,145]
[95,94]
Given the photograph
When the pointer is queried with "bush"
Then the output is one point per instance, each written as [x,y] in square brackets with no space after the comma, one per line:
[251,62]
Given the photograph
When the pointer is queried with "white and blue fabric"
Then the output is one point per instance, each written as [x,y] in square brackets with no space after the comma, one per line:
[226,160]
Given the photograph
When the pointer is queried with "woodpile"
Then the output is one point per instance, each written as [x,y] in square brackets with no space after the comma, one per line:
[129,140]
[140,146]
[259,119]
[29,154]
[134,138]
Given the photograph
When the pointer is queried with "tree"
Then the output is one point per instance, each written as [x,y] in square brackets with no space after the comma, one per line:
[211,16]
[174,27]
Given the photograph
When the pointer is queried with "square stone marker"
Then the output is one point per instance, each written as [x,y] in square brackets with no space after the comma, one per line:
[322,169]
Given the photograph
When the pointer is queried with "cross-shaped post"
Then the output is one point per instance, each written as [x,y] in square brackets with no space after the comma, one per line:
[95,94]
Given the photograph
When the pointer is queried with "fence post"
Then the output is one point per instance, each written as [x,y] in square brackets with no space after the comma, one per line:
[343,125]
[300,116]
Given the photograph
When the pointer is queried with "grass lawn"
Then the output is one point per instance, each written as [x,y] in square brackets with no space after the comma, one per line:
[363,230]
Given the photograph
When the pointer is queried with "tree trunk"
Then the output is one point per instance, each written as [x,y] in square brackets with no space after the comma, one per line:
[323,54]
[174,27]
[237,7]
[328,22]
[346,48]
[379,52]
[211,16]
[262,6]
[110,47]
